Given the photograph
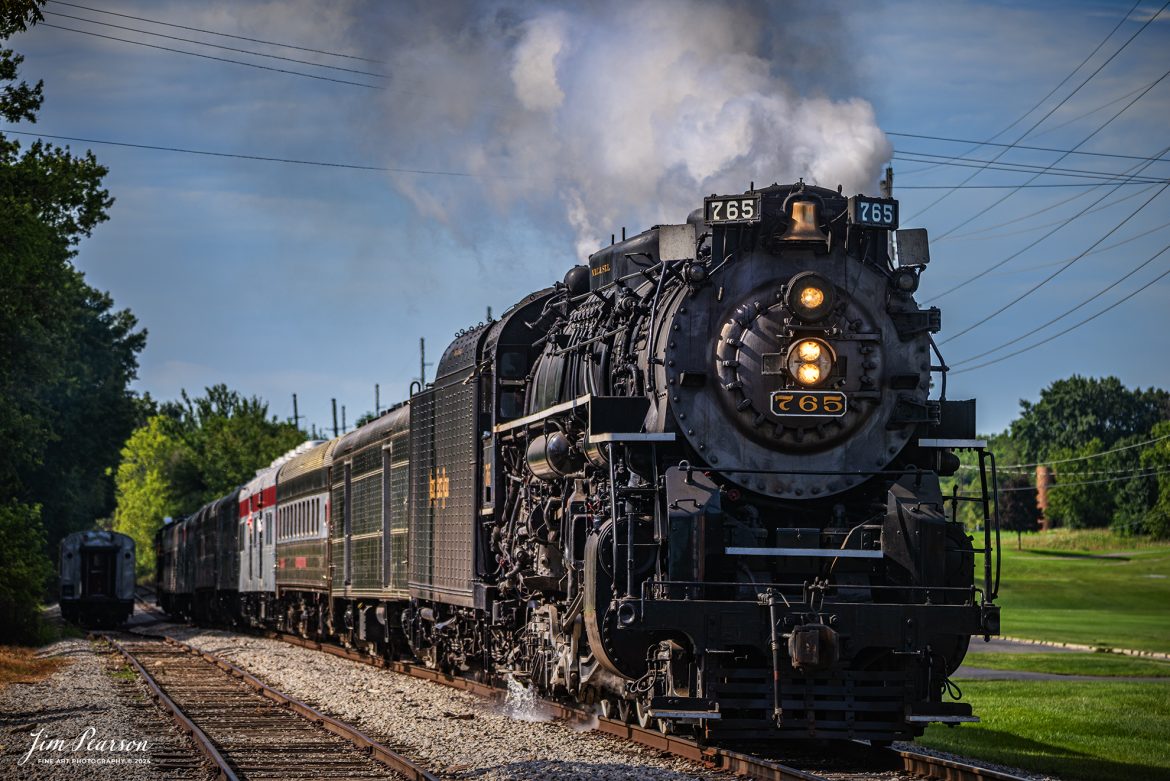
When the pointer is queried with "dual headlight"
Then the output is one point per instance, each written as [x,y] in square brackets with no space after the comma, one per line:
[810,361]
[811,298]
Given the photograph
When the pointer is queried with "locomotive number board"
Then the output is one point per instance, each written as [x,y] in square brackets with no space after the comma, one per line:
[873,212]
[821,404]
[724,210]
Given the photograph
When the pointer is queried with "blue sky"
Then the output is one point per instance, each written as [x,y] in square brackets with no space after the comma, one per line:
[574,121]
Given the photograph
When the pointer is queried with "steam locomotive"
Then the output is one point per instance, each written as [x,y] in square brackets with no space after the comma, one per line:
[696,483]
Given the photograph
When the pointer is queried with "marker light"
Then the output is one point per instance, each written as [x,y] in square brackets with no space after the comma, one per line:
[810,361]
[810,297]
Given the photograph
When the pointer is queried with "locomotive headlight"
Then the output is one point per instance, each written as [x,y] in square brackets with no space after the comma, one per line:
[810,297]
[808,374]
[810,361]
[809,350]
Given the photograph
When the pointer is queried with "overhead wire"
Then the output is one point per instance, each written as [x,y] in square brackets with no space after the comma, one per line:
[1056,273]
[990,235]
[241,156]
[1071,328]
[1067,312]
[1051,486]
[1088,457]
[1084,140]
[215,45]
[1028,168]
[1042,148]
[214,32]
[212,57]
[1051,92]
[1067,97]
[1021,251]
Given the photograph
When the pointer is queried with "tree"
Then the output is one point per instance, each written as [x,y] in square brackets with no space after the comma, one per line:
[227,438]
[143,486]
[190,453]
[24,568]
[1017,504]
[1156,458]
[66,356]
[1076,410]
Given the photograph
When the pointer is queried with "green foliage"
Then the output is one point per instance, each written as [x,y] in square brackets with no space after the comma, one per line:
[190,453]
[1017,503]
[1156,457]
[227,437]
[67,356]
[1077,410]
[143,486]
[24,570]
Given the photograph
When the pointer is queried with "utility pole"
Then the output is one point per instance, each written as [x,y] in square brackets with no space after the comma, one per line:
[335,418]
[489,314]
[887,184]
[344,428]
[377,401]
[296,414]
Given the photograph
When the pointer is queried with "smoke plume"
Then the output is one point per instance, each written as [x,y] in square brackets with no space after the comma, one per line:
[618,113]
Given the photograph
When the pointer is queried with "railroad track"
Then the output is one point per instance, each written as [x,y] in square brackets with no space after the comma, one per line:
[912,763]
[249,730]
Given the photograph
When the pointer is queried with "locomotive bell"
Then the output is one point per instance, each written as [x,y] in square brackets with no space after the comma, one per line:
[803,221]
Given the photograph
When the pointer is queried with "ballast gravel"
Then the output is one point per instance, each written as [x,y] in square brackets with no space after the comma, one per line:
[90,719]
[456,734]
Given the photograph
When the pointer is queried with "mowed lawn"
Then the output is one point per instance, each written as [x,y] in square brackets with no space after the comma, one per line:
[1109,597]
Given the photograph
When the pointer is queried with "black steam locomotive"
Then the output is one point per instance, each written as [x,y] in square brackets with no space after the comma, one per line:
[696,483]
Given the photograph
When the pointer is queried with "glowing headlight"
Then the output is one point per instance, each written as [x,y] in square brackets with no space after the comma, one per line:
[810,297]
[808,374]
[809,350]
[810,361]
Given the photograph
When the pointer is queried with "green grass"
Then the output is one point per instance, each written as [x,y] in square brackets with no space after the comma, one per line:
[1078,731]
[1110,598]
[1112,665]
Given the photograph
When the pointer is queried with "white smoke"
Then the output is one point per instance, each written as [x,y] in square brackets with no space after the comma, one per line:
[616,113]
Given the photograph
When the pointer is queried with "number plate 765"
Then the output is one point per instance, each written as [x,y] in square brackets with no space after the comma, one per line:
[825,404]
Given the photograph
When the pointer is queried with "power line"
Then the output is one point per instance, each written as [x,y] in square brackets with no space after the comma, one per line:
[211,57]
[1017,253]
[1084,140]
[1026,168]
[1051,486]
[224,35]
[240,156]
[963,186]
[1100,251]
[1058,272]
[1086,458]
[1065,331]
[1051,92]
[1068,312]
[1050,207]
[216,45]
[1039,148]
[1063,100]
